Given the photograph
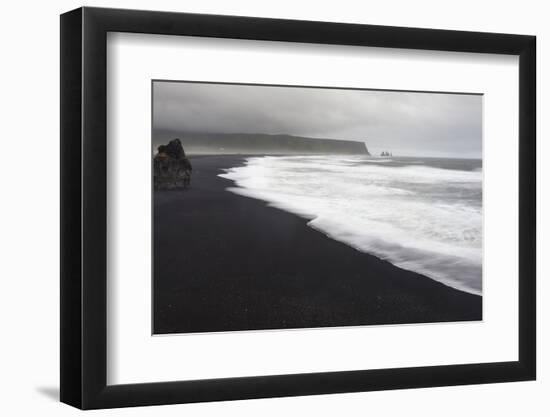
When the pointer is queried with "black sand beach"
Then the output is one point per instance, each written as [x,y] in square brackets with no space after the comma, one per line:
[226,262]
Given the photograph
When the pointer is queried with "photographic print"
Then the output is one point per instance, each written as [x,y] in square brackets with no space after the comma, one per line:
[284,207]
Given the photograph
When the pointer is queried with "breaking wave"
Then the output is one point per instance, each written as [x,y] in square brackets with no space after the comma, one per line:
[423,215]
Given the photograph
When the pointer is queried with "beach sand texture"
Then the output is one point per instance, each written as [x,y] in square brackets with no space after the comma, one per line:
[225,262]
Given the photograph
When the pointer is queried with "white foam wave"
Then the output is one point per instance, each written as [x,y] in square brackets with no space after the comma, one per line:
[418,217]
[379,161]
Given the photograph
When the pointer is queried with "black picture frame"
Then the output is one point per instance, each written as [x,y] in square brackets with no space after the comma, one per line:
[84,207]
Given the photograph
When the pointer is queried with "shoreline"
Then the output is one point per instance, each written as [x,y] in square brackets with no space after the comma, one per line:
[284,274]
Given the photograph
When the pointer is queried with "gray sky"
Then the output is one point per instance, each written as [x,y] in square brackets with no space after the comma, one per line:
[401,122]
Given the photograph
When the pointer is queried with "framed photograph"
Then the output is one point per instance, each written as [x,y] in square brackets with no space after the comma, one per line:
[256,208]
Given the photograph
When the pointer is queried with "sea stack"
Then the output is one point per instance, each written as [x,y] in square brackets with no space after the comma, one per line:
[171,167]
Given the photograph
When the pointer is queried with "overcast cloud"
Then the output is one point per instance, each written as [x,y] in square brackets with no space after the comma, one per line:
[401,122]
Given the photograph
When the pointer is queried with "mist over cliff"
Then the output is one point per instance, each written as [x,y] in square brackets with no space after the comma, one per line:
[251,144]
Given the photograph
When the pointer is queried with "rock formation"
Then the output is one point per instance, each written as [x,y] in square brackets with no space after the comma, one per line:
[171,168]
[260,144]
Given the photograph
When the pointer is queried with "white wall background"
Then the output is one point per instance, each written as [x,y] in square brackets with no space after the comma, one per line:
[29,175]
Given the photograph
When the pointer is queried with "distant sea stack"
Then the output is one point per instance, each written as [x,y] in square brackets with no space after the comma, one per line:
[251,144]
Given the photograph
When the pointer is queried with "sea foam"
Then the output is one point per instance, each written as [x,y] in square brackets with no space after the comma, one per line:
[415,214]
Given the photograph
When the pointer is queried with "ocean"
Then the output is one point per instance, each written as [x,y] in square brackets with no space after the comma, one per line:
[420,214]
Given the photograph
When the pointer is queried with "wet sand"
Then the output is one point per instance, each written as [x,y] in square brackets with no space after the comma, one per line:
[227,262]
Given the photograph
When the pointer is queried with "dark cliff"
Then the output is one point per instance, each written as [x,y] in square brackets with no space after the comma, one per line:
[233,143]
